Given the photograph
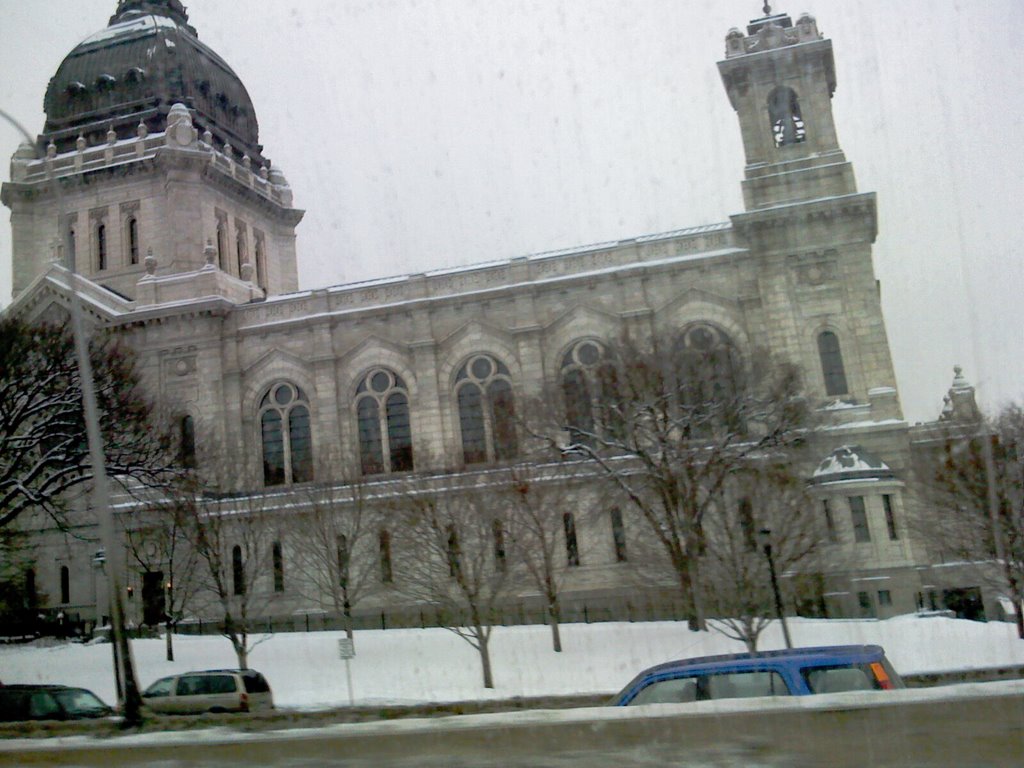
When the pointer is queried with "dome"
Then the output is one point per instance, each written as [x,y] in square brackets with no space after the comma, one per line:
[148,58]
[851,462]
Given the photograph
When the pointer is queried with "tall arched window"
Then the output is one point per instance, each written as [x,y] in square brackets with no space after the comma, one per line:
[382,416]
[261,260]
[240,252]
[222,242]
[286,438]
[707,371]
[187,442]
[832,364]
[237,570]
[384,545]
[483,389]
[590,389]
[101,246]
[65,584]
[277,557]
[133,240]
[784,116]
[31,594]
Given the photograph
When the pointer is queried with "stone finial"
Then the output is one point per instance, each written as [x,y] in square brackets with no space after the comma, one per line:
[208,137]
[141,130]
[150,262]
[960,403]
[111,135]
[51,149]
[180,131]
[80,143]
[245,271]
[24,155]
[277,178]
[264,172]
[210,253]
[228,151]
[246,162]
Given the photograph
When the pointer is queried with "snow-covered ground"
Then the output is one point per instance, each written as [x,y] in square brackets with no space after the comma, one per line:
[433,665]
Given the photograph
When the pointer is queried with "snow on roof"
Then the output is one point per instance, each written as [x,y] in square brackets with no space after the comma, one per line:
[143,24]
[850,462]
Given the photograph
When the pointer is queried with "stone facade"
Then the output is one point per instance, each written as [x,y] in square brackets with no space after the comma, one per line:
[189,251]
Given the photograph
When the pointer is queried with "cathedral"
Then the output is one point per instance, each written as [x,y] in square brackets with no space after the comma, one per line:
[185,234]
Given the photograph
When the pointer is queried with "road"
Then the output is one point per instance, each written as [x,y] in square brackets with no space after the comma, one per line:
[971,725]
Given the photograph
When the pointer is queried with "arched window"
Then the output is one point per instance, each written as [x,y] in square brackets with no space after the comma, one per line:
[101,247]
[832,364]
[483,389]
[237,570]
[65,584]
[133,240]
[707,371]
[187,442]
[286,438]
[590,389]
[784,116]
[382,416]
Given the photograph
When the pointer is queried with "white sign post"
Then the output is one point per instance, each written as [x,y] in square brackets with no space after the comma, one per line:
[347,651]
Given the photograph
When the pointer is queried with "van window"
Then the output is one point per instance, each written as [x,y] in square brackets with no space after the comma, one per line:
[837,679]
[42,705]
[741,685]
[255,683]
[675,691]
[161,687]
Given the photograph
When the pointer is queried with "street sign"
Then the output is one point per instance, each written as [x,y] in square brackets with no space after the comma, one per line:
[346,648]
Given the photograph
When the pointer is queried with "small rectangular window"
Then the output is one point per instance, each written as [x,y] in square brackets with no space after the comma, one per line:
[859,516]
[884,597]
[890,518]
[572,549]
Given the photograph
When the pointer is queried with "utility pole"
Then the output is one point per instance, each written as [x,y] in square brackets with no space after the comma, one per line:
[124,667]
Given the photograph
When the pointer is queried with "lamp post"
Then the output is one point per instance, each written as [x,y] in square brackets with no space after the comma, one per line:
[765,537]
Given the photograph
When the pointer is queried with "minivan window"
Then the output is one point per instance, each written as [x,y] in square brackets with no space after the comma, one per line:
[837,679]
[256,683]
[741,685]
[161,687]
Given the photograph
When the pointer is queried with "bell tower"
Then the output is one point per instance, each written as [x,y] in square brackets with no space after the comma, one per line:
[780,78]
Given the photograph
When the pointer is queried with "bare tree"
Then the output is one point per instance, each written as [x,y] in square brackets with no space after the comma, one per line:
[158,540]
[536,497]
[668,422]
[333,547]
[237,546]
[454,560]
[766,502]
[974,510]
[43,448]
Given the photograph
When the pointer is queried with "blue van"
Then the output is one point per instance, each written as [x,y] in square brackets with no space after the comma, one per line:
[793,672]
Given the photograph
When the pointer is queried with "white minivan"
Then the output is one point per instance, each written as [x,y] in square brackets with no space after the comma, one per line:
[214,690]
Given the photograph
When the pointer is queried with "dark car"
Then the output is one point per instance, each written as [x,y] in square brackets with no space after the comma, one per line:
[793,672]
[49,702]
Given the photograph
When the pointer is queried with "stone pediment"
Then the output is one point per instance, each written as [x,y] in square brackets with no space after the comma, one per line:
[48,299]
[275,365]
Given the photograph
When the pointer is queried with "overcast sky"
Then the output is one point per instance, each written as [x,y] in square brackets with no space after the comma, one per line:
[428,133]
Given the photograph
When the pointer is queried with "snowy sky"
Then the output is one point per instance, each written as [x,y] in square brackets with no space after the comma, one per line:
[426,133]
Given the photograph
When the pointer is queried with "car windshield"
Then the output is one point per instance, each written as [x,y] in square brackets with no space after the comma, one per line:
[77,701]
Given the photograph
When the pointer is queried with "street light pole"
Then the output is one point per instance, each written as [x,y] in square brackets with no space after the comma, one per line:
[766,539]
